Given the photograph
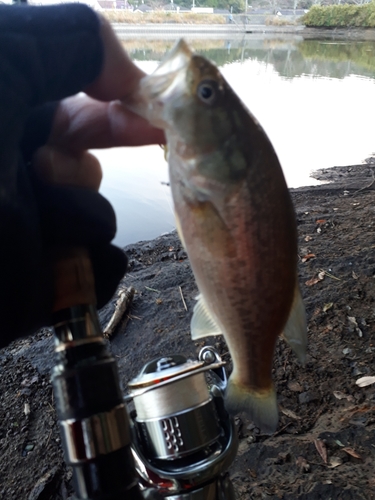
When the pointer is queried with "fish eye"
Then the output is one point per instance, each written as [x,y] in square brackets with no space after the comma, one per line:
[207,91]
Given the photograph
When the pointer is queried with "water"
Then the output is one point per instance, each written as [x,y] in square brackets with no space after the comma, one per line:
[315,99]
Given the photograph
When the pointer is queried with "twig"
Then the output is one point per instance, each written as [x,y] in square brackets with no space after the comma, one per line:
[49,437]
[183,300]
[52,408]
[329,275]
[122,305]
[282,429]
[152,289]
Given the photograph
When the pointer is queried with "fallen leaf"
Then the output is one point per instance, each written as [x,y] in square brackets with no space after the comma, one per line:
[308,238]
[303,464]
[307,257]
[355,276]
[29,381]
[339,443]
[327,307]
[334,462]
[321,448]
[365,381]
[321,221]
[290,413]
[353,321]
[341,395]
[351,452]
[314,281]
[294,386]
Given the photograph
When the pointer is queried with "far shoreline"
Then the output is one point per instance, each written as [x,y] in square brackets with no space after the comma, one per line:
[126,30]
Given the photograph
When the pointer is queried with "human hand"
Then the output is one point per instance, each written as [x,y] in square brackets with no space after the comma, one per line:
[63,207]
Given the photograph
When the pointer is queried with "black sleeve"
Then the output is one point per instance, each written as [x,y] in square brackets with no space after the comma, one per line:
[46,54]
[37,129]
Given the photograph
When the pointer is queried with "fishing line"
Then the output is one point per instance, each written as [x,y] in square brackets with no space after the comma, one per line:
[172,398]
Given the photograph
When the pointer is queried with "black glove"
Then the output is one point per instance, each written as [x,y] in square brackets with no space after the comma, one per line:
[47,53]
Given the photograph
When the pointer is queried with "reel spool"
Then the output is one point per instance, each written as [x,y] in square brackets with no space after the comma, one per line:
[184,440]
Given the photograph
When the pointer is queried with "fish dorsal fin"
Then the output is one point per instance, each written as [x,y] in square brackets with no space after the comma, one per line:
[202,324]
[295,331]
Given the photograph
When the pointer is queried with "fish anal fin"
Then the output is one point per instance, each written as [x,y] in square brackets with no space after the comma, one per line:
[202,324]
[295,330]
[261,407]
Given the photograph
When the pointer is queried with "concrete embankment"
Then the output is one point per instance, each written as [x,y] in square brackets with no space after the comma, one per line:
[175,30]
[223,31]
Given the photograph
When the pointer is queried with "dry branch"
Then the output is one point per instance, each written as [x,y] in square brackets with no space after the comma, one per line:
[122,305]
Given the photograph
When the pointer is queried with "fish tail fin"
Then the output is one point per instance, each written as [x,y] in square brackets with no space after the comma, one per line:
[261,407]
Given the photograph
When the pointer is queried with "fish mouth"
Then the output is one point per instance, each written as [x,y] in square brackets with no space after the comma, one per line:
[166,82]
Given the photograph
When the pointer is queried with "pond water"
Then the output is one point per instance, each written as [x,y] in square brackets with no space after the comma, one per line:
[315,100]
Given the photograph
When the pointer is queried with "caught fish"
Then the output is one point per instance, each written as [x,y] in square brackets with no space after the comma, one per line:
[235,219]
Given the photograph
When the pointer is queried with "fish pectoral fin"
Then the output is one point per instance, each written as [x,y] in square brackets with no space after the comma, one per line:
[261,407]
[202,324]
[179,230]
[295,331]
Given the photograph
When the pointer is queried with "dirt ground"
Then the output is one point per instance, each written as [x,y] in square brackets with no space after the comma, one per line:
[324,447]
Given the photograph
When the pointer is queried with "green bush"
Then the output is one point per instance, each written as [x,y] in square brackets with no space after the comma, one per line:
[335,16]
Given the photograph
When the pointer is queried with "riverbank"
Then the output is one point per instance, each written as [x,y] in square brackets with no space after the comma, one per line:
[321,407]
[224,31]
[202,29]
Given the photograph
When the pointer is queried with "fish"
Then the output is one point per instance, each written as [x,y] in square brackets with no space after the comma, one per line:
[236,221]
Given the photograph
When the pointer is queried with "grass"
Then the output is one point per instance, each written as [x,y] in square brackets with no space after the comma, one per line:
[160,17]
[340,16]
[279,21]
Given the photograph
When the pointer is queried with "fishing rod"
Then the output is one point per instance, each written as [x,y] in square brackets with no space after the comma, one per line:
[169,438]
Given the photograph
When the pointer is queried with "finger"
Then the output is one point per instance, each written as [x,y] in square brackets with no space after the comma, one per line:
[119,76]
[74,216]
[57,167]
[84,123]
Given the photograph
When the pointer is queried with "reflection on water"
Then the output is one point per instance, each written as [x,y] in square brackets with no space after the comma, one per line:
[315,99]
[290,58]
